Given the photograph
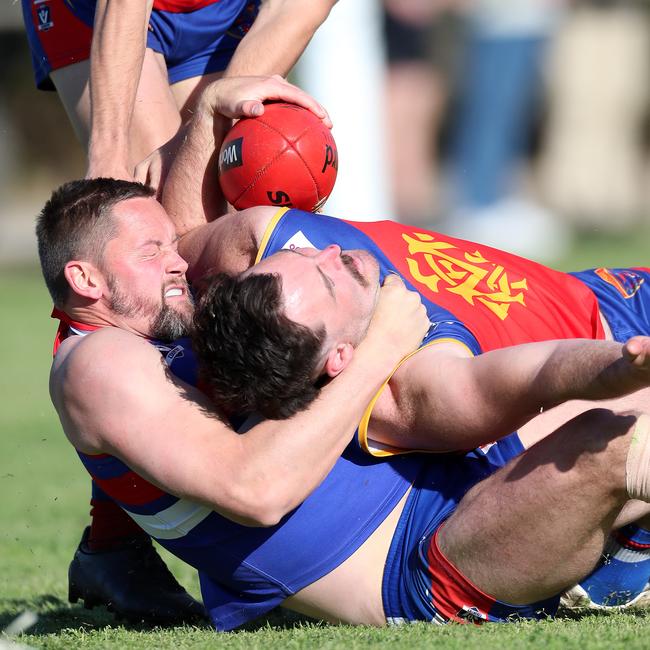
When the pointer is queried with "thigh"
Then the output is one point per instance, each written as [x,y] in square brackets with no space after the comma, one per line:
[539,524]
[450,596]
[71,83]
[156,117]
[187,92]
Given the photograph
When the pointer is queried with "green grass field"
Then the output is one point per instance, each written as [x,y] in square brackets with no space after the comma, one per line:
[43,509]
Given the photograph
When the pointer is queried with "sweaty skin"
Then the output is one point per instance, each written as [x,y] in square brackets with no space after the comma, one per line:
[410,414]
[352,592]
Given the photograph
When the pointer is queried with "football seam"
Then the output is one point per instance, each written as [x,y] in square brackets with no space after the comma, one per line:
[272,128]
[260,172]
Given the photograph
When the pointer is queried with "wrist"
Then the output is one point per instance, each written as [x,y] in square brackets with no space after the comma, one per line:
[209,100]
[111,148]
[376,359]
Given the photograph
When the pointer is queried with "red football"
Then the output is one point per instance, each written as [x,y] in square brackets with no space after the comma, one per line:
[286,157]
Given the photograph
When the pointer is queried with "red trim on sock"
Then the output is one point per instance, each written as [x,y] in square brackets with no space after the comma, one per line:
[110,526]
[626,542]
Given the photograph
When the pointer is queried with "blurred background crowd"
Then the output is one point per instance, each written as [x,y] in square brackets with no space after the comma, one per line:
[517,123]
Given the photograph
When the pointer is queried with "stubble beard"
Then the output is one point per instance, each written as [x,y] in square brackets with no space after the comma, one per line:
[166,323]
[365,283]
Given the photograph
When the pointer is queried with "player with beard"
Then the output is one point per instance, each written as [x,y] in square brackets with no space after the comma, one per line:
[393,550]
[116,398]
[105,284]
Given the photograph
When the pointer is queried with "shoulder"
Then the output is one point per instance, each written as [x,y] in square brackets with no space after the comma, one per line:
[434,361]
[108,359]
[95,377]
[107,383]
[229,244]
[249,226]
[258,220]
[106,345]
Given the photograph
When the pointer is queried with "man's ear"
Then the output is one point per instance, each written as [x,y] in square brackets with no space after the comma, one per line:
[84,279]
[338,358]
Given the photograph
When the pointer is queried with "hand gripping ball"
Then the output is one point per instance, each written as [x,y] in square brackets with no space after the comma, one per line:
[285,157]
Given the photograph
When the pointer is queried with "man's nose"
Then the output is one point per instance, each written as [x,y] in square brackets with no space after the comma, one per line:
[176,264]
[330,254]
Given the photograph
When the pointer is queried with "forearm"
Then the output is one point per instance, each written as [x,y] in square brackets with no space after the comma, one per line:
[508,387]
[517,383]
[117,53]
[590,370]
[289,459]
[278,36]
[191,193]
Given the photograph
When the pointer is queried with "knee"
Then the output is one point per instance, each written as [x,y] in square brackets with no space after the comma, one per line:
[600,425]
[599,435]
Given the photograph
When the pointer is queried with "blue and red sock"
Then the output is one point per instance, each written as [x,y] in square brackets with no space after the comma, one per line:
[110,526]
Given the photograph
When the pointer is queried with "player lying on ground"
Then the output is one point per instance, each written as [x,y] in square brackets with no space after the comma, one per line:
[244,332]
[478,299]
[129,73]
[444,537]
[483,291]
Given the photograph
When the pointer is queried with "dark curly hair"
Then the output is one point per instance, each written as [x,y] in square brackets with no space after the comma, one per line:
[251,357]
[76,223]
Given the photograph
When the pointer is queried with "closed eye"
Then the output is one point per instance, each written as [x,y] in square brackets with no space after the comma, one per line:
[329,284]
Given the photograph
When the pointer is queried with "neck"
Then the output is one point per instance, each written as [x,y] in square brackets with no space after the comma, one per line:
[96,317]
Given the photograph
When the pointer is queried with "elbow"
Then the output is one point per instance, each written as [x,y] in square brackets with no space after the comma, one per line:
[254,508]
[267,508]
[265,518]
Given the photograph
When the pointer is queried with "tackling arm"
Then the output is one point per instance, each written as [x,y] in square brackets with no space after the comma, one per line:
[278,36]
[495,393]
[114,395]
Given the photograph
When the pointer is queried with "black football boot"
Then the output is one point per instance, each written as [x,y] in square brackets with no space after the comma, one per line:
[133,582]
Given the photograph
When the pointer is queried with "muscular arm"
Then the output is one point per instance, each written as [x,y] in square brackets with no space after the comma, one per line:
[278,37]
[273,44]
[114,395]
[453,401]
[227,245]
[116,56]
[191,192]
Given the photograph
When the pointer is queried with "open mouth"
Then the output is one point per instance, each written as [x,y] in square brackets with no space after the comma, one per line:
[173,292]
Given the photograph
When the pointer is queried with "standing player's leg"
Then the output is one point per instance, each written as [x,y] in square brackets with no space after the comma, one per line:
[539,525]
[156,117]
[187,92]
[60,36]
